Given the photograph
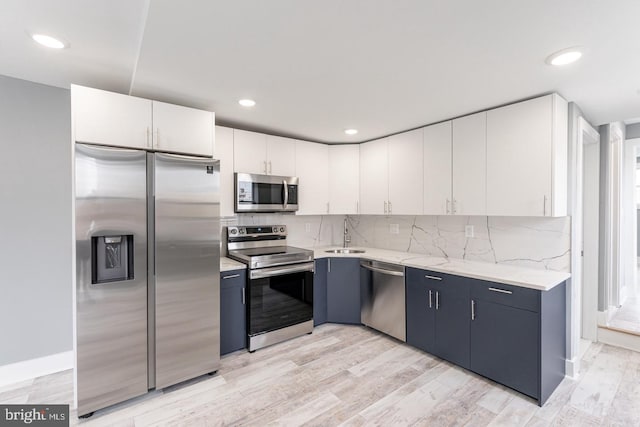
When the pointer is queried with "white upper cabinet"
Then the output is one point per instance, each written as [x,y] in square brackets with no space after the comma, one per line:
[344,179]
[281,156]
[263,154]
[107,118]
[406,173]
[469,185]
[183,130]
[437,169]
[312,167]
[249,152]
[224,152]
[527,158]
[374,177]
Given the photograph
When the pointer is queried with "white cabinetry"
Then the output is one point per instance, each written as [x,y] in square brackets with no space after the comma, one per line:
[224,152]
[312,168]
[405,173]
[391,175]
[249,152]
[455,167]
[344,179]
[527,158]
[180,129]
[437,169]
[374,177]
[107,118]
[263,154]
[469,177]
[281,156]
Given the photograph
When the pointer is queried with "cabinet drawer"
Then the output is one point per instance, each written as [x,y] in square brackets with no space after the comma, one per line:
[233,278]
[512,296]
[430,278]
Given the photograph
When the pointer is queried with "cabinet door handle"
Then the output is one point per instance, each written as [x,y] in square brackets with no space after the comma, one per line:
[327,207]
[385,206]
[473,310]
[447,207]
[502,291]
[389,207]
[430,303]
[357,207]
[329,265]
[544,206]
[454,204]
[269,167]
[148,145]
[243,301]
[265,166]
[432,277]
[437,300]
[231,276]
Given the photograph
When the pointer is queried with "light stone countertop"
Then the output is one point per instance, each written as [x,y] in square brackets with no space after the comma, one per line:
[227,264]
[508,274]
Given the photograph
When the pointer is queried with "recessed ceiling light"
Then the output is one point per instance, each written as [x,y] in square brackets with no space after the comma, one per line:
[351,131]
[565,56]
[247,102]
[48,41]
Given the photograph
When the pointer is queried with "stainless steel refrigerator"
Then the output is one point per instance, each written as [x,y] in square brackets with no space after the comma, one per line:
[147,272]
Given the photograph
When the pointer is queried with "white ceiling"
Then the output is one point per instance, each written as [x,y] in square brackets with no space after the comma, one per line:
[316,68]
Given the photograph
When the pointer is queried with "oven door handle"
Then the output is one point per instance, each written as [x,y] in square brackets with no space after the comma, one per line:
[280,271]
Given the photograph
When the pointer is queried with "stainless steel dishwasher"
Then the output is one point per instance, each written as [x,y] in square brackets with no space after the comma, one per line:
[383,298]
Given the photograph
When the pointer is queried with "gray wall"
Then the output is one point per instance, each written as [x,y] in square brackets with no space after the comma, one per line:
[35,220]
[633,131]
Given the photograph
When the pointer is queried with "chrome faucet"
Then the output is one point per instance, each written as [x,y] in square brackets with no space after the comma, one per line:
[346,238]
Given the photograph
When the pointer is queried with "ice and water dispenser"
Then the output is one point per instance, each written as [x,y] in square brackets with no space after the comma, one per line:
[111,258]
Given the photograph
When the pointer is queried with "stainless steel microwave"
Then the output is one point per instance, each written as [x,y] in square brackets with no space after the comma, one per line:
[265,193]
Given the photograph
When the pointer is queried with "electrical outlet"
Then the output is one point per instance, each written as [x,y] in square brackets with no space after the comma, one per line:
[307,227]
[394,228]
[468,231]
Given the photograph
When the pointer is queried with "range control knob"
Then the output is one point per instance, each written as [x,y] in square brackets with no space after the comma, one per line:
[282,229]
[234,231]
[275,229]
[241,231]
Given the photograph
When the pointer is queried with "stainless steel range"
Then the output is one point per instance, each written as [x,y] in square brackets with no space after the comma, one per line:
[279,283]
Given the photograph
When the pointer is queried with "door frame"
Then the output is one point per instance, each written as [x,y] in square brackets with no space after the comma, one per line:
[587,248]
[581,243]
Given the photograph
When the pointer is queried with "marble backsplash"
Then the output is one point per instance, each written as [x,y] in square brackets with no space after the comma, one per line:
[541,243]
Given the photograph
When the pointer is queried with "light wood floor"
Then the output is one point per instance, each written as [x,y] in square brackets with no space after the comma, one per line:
[355,376]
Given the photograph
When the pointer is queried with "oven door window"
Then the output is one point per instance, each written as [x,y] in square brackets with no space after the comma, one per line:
[280,301]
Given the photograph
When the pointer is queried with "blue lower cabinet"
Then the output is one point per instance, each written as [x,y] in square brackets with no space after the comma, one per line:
[320,292]
[438,314]
[421,314]
[233,329]
[505,345]
[518,337]
[343,290]
[512,335]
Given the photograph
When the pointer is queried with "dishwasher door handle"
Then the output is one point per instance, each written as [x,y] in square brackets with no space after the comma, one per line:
[383,270]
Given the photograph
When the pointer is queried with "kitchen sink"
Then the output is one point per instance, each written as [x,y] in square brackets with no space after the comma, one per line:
[345,251]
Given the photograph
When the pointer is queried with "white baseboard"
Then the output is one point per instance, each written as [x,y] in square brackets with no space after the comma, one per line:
[572,367]
[33,368]
[619,339]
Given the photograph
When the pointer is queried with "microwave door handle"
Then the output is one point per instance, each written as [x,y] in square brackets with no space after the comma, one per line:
[286,193]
